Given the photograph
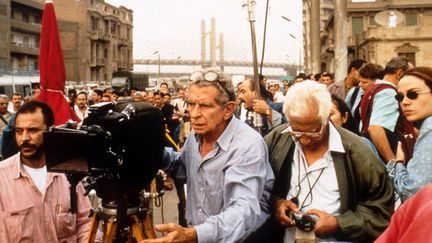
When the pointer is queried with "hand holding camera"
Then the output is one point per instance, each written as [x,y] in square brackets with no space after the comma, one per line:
[282,206]
[303,221]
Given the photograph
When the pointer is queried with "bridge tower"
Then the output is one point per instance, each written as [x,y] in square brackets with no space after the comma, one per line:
[213,47]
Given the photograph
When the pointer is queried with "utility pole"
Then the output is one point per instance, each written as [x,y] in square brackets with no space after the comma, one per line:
[258,119]
[340,40]
[315,37]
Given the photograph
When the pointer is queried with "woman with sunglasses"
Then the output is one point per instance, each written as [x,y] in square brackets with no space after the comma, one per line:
[415,99]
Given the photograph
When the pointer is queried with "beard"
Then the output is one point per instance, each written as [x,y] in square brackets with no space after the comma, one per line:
[37,154]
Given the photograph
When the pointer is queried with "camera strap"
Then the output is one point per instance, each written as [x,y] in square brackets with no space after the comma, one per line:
[73,181]
[301,160]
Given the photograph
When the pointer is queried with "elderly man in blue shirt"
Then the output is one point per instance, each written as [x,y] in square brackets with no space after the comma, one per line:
[226,161]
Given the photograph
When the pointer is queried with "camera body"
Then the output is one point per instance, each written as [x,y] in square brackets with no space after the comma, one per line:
[302,221]
[121,144]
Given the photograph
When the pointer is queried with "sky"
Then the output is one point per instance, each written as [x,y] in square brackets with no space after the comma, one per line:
[172,28]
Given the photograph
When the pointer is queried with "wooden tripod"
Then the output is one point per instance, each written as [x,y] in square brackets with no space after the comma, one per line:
[138,229]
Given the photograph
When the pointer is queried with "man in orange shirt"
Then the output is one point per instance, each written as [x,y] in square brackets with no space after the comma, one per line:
[35,205]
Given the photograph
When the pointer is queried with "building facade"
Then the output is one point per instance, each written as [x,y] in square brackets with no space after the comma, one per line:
[378,43]
[326,10]
[19,34]
[96,37]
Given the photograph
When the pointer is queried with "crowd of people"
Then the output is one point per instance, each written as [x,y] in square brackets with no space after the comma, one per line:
[310,159]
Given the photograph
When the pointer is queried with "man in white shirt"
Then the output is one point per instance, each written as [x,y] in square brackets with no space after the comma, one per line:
[36,205]
[80,107]
[326,172]
[16,102]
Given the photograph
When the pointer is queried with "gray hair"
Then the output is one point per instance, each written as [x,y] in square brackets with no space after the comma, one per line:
[228,92]
[301,97]
[3,96]
[397,63]
[138,93]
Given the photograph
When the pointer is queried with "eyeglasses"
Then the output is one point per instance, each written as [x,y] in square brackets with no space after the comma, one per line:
[412,95]
[297,134]
[209,76]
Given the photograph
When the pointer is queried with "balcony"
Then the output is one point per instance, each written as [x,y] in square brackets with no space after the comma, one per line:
[97,62]
[100,62]
[24,49]
[122,65]
[29,27]
[99,35]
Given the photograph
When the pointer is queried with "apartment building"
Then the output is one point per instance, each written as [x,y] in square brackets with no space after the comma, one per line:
[96,37]
[377,43]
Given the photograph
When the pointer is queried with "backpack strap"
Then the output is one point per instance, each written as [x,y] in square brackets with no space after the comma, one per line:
[3,120]
[354,96]
[367,103]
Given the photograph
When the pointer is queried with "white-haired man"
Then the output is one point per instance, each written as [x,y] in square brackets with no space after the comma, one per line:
[327,172]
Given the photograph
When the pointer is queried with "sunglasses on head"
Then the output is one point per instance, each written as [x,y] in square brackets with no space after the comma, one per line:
[211,76]
[412,95]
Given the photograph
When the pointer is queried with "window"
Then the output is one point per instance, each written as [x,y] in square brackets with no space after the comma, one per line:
[3,63]
[26,41]
[3,10]
[411,19]
[37,19]
[357,25]
[114,53]
[93,23]
[410,56]
[25,17]
[372,21]
[106,26]
[113,28]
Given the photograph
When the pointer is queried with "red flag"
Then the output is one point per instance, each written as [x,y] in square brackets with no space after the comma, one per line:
[52,69]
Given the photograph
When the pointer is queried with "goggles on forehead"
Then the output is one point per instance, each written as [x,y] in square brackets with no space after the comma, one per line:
[209,76]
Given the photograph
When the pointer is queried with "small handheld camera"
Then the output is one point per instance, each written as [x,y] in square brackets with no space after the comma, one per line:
[302,221]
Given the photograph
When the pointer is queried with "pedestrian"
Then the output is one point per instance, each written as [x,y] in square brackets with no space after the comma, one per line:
[262,105]
[379,111]
[35,204]
[326,173]
[412,221]
[341,116]
[415,98]
[228,175]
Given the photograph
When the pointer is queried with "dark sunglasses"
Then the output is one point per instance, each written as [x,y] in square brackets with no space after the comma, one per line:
[412,95]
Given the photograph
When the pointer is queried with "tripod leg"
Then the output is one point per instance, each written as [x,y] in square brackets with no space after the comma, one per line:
[137,229]
[93,229]
[110,231]
[149,232]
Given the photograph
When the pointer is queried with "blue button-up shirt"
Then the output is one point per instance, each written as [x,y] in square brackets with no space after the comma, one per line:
[229,188]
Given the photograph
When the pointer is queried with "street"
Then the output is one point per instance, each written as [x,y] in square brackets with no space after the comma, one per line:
[167,213]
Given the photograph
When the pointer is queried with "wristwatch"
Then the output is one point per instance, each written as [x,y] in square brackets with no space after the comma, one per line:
[394,162]
[268,112]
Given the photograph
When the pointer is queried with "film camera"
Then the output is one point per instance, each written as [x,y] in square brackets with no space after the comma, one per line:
[119,146]
[302,221]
